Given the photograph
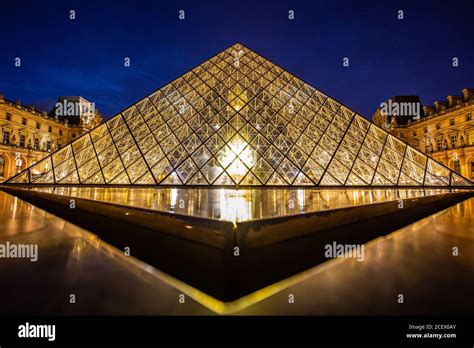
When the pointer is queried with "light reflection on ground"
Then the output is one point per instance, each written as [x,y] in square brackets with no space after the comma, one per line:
[243,204]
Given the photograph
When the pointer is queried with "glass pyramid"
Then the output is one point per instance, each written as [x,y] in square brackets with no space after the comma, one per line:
[239,119]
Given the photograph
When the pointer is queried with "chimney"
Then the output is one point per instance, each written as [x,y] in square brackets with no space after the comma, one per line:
[440,106]
[428,110]
[454,100]
[468,94]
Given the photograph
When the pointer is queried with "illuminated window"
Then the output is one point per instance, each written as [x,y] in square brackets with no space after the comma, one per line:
[6,137]
[22,140]
[454,140]
[439,143]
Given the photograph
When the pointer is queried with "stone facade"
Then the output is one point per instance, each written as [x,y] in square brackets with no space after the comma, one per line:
[445,131]
[28,135]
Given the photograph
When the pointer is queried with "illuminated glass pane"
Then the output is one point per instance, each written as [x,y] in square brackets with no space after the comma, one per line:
[212,170]
[72,178]
[88,169]
[288,170]
[413,170]
[224,179]
[251,180]
[363,171]
[354,180]
[121,179]
[380,180]
[64,169]
[338,170]
[198,179]
[172,179]
[186,170]
[161,170]
[22,178]
[329,180]
[406,180]
[111,170]
[458,180]
[388,171]
[437,173]
[62,155]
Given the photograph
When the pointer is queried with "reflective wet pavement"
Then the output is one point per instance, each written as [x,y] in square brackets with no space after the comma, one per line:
[416,261]
[74,261]
[242,204]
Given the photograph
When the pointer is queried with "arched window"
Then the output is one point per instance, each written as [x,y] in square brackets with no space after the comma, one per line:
[2,166]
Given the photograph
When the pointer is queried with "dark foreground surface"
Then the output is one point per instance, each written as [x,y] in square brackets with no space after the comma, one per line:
[416,261]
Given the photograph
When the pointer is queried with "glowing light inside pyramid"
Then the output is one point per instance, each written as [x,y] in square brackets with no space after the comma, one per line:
[238,119]
[235,205]
[237,99]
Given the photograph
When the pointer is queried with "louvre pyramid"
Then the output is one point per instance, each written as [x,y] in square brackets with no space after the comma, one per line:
[238,119]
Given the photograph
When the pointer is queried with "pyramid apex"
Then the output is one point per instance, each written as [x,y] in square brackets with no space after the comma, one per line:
[238,45]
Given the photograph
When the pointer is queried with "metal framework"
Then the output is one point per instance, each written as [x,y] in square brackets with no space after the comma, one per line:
[239,119]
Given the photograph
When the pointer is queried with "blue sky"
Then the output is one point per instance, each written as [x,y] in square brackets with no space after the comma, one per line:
[85,56]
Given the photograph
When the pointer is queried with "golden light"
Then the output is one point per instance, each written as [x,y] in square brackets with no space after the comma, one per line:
[235,205]
[242,162]
[237,98]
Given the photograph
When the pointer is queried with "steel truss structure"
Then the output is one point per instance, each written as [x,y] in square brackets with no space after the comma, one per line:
[239,119]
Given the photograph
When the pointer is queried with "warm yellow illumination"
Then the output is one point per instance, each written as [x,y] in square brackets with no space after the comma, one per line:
[245,160]
[235,205]
[237,98]
[246,99]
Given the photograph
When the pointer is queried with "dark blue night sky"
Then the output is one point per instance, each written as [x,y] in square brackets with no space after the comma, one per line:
[85,56]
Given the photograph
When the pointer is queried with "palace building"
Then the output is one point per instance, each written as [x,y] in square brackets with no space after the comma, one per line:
[444,131]
[28,135]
